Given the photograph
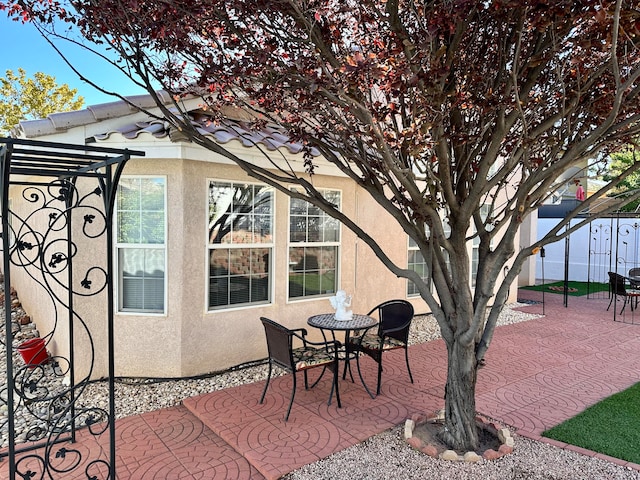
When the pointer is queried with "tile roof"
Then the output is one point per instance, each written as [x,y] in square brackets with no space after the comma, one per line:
[62,121]
[271,136]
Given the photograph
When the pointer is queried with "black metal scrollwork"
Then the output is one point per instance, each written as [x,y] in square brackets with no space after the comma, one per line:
[60,216]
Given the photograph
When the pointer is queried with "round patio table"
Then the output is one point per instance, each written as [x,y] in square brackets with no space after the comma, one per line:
[327,321]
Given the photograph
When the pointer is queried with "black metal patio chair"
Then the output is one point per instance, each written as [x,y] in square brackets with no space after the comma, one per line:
[634,277]
[282,353]
[395,318]
[620,287]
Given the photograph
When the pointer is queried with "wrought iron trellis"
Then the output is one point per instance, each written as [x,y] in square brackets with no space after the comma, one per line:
[613,246]
[70,191]
[625,255]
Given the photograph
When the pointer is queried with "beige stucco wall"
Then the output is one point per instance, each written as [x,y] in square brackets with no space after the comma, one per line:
[188,339]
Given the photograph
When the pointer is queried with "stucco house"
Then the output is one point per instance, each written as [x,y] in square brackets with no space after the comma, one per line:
[201,250]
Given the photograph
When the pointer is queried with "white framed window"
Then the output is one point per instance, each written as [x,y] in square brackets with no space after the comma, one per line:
[141,244]
[417,263]
[240,244]
[314,247]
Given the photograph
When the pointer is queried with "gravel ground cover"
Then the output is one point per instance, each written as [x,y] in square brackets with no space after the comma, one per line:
[387,456]
[384,456]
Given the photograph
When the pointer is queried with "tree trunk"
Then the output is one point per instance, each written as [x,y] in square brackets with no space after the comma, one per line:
[461,432]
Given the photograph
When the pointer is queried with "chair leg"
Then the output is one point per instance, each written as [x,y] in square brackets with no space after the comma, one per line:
[406,357]
[379,375]
[610,302]
[293,394]
[334,384]
[266,385]
[361,377]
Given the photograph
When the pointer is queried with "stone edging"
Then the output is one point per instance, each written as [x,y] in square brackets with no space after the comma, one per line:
[502,433]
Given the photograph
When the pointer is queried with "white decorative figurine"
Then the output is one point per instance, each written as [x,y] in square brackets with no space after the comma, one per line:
[341,302]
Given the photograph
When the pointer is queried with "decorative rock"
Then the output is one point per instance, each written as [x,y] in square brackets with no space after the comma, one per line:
[409,425]
[491,454]
[449,455]
[505,449]
[472,457]
[26,320]
[415,442]
[430,450]
[503,434]
[418,418]
[510,442]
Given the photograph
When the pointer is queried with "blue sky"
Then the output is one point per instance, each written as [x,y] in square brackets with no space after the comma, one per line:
[23,47]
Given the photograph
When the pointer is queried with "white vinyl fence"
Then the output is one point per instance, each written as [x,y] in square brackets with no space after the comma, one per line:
[607,244]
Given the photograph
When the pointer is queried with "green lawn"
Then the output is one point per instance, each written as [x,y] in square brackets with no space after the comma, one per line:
[611,427]
[580,288]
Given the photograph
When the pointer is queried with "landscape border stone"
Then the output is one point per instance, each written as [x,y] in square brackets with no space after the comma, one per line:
[504,436]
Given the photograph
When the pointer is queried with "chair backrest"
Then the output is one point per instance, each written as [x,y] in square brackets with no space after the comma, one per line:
[394,314]
[279,343]
[616,283]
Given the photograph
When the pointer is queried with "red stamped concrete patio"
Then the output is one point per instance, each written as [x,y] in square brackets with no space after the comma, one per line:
[538,373]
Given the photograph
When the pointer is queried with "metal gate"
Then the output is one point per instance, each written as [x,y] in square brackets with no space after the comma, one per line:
[64,216]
